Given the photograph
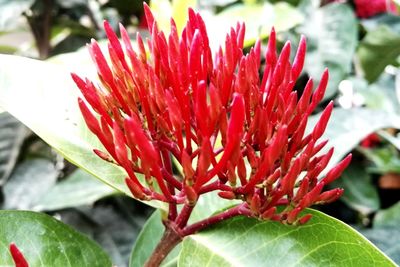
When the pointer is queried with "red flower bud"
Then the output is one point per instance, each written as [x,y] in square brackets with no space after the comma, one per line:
[330,196]
[335,172]
[18,257]
[227,195]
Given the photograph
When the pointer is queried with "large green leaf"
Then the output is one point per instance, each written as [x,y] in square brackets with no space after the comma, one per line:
[379,48]
[47,242]
[43,97]
[331,33]
[151,233]
[359,191]
[347,127]
[324,241]
[80,188]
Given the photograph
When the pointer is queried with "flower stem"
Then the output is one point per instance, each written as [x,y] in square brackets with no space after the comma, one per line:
[167,243]
[183,217]
[229,213]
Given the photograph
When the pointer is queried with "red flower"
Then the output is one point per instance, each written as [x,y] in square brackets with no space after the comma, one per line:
[230,129]
[369,8]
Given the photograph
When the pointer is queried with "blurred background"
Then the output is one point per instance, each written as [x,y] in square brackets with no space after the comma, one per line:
[359,41]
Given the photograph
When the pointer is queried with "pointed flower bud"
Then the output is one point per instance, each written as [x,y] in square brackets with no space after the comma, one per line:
[18,257]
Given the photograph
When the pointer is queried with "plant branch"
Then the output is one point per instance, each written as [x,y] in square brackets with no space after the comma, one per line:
[183,217]
[167,243]
[229,213]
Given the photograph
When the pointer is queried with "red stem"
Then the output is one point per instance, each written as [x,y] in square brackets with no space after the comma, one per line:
[217,185]
[229,213]
[183,217]
[167,243]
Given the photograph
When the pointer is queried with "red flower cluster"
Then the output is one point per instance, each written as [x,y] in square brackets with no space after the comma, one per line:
[230,130]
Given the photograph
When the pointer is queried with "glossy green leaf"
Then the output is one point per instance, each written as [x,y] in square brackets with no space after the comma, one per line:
[151,233]
[45,100]
[259,19]
[332,34]
[323,241]
[47,242]
[80,188]
[359,191]
[347,127]
[378,49]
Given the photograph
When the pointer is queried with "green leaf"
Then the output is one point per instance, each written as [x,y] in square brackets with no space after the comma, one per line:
[378,49]
[259,19]
[241,241]
[47,104]
[359,192]
[44,241]
[331,33]
[151,233]
[347,127]
[80,188]
[10,12]
[385,159]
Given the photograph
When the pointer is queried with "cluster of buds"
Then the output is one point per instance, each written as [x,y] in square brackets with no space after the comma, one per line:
[230,130]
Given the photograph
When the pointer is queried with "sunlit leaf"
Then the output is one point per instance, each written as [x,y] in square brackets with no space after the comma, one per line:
[47,104]
[249,242]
